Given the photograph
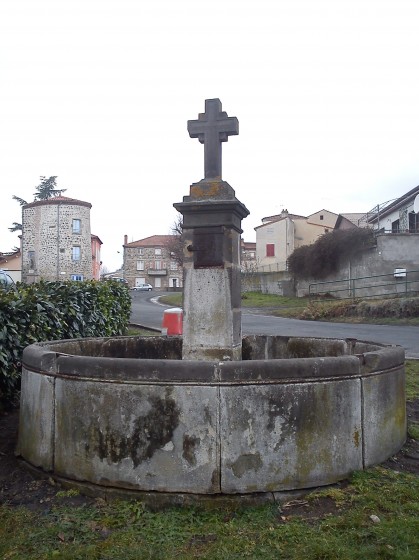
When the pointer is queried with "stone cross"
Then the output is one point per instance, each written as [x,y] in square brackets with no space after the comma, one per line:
[212,128]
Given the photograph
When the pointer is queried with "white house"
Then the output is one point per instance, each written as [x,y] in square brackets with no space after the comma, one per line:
[397,216]
[280,235]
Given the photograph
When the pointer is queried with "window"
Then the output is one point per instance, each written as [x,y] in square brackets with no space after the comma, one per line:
[157,252]
[140,265]
[270,250]
[321,216]
[395,227]
[31,259]
[173,265]
[77,277]
[76,253]
[76,226]
[413,222]
[141,251]
[157,265]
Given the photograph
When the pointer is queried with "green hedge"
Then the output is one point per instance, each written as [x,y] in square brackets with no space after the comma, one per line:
[55,311]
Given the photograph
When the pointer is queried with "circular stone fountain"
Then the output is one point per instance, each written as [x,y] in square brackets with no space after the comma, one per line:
[210,414]
[127,414]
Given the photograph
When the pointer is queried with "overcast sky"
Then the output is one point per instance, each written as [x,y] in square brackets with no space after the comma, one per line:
[98,92]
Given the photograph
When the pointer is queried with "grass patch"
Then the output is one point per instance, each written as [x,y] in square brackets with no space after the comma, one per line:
[396,311]
[257,299]
[249,299]
[413,430]
[128,531]
[140,331]
[412,379]
[172,299]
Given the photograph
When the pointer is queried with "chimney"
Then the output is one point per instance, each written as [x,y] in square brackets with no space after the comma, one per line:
[125,239]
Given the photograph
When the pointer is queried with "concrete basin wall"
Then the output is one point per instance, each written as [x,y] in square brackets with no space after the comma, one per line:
[294,413]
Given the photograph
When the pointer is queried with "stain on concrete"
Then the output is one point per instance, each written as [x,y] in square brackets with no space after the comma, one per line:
[247,462]
[215,481]
[189,444]
[275,409]
[151,432]
[207,416]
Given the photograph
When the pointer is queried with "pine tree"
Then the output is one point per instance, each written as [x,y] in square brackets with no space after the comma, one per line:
[45,190]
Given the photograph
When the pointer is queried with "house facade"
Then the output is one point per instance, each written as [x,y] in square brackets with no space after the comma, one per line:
[150,261]
[12,264]
[280,235]
[96,244]
[56,240]
[247,254]
[397,216]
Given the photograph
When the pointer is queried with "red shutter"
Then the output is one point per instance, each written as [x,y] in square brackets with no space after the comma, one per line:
[270,250]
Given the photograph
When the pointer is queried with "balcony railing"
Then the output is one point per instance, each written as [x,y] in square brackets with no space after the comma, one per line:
[157,272]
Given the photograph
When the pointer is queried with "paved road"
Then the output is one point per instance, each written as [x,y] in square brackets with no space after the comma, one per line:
[145,310]
[147,313]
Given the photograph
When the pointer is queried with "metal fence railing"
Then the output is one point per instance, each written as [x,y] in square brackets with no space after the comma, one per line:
[400,282]
[274,267]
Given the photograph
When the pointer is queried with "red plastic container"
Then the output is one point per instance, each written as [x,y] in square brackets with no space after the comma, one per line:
[173,321]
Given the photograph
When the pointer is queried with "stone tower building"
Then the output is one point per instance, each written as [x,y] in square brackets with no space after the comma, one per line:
[56,240]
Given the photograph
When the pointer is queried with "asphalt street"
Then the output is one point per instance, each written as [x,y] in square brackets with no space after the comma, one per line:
[148,312]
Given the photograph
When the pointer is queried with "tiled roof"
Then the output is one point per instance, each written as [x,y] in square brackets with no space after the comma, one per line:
[58,200]
[277,217]
[152,241]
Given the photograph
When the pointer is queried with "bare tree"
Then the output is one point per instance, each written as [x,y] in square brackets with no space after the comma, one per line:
[174,245]
[249,269]
[104,270]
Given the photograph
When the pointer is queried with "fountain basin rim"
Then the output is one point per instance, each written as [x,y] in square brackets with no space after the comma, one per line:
[49,359]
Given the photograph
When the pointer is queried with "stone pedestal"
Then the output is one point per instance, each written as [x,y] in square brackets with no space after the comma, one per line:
[211,298]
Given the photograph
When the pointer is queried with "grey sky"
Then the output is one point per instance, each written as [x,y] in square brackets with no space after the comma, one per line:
[98,92]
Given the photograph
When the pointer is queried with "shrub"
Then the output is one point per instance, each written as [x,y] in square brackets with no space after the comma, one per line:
[56,311]
[323,257]
[397,307]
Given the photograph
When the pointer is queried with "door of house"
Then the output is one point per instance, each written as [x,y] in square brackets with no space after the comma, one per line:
[139,281]
[157,283]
